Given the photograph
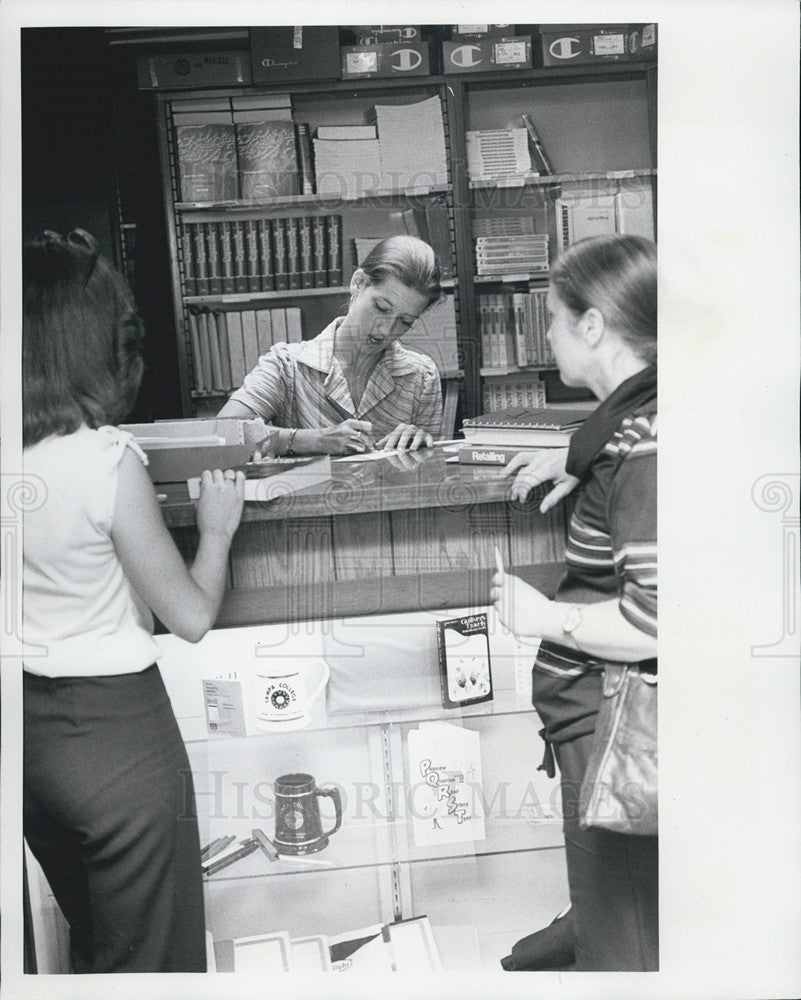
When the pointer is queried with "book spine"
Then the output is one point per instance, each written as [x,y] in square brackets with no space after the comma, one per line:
[201,259]
[439,235]
[319,251]
[194,339]
[278,233]
[487,455]
[225,357]
[241,259]
[213,257]
[264,330]
[334,256]
[518,305]
[303,143]
[293,264]
[278,319]
[204,352]
[226,257]
[253,269]
[266,268]
[236,349]
[306,253]
[250,339]
[190,270]
[541,159]
[294,327]
[217,381]
[442,661]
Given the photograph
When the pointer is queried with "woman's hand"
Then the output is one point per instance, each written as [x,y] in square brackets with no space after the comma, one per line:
[406,437]
[531,470]
[351,437]
[219,507]
[520,607]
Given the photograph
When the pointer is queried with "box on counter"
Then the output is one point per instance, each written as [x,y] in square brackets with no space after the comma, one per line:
[225,700]
[481,30]
[482,54]
[309,52]
[566,43]
[378,34]
[193,69]
[366,61]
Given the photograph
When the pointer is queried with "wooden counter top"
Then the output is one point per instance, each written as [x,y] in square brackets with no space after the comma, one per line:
[412,481]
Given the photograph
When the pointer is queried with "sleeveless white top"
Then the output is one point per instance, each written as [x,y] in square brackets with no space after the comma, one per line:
[79,609]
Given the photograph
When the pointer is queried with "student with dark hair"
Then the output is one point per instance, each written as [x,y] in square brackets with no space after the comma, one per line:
[354,385]
[108,801]
[602,302]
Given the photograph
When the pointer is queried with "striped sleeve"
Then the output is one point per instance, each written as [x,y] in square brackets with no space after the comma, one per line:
[632,514]
[264,387]
[428,405]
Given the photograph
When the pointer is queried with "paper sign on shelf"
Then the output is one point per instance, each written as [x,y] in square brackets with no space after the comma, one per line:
[445,774]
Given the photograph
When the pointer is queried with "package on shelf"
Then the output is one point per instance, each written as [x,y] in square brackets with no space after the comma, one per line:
[497,153]
[309,52]
[193,69]
[587,43]
[479,55]
[412,142]
[481,30]
[384,59]
[373,34]
[347,167]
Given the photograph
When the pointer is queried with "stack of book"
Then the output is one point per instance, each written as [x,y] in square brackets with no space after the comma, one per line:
[347,167]
[227,345]
[429,220]
[524,427]
[498,154]
[412,140]
[513,328]
[513,224]
[262,255]
[511,254]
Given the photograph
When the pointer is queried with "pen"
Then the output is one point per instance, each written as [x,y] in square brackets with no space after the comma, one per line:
[248,847]
[214,848]
[499,561]
[265,844]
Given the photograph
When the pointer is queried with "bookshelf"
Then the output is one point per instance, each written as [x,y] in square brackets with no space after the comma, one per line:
[596,122]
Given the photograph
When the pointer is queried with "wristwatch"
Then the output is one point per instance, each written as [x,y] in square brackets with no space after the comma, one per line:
[573,618]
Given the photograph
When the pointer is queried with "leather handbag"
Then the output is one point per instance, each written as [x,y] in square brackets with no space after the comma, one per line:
[619,790]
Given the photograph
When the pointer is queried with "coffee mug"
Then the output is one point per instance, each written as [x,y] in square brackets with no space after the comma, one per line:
[282,699]
[298,824]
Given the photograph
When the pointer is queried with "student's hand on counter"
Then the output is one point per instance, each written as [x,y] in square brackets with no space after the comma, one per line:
[219,507]
[406,437]
[530,471]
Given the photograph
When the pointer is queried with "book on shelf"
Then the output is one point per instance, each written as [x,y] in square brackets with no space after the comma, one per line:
[304,157]
[205,349]
[519,313]
[268,160]
[490,455]
[197,354]
[226,255]
[250,339]
[253,270]
[502,225]
[213,262]
[240,253]
[319,251]
[202,286]
[634,208]
[273,478]
[305,251]
[279,241]
[346,132]
[225,357]
[495,154]
[214,351]
[264,330]
[464,660]
[266,268]
[541,159]
[581,215]
[294,325]
[547,427]
[278,319]
[438,228]
[236,348]
[504,392]
[334,242]
[293,264]
[347,167]
[207,157]
[189,269]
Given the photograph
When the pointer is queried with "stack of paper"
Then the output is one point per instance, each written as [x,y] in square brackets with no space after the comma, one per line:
[412,138]
[493,154]
[347,167]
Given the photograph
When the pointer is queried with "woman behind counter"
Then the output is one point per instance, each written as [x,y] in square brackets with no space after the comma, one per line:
[602,301]
[354,387]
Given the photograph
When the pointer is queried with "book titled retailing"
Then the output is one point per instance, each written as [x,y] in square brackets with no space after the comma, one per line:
[274,478]
[464,660]
[525,427]
[492,455]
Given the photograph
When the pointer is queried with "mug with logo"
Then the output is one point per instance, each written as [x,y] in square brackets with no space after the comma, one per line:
[298,824]
[283,700]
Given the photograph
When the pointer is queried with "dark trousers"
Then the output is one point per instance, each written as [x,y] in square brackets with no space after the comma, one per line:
[614,882]
[109,814]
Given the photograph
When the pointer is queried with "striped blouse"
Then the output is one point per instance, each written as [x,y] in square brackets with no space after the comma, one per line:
[611,550]
[303,385]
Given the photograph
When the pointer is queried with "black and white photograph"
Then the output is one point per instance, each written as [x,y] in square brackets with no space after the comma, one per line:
[338,556]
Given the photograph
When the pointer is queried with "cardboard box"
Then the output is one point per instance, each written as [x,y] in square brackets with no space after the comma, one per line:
[564,44]
[379,34]
[361,62]
[642,42]
[482,31]
[193,69]
[485,54]
[283,53]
